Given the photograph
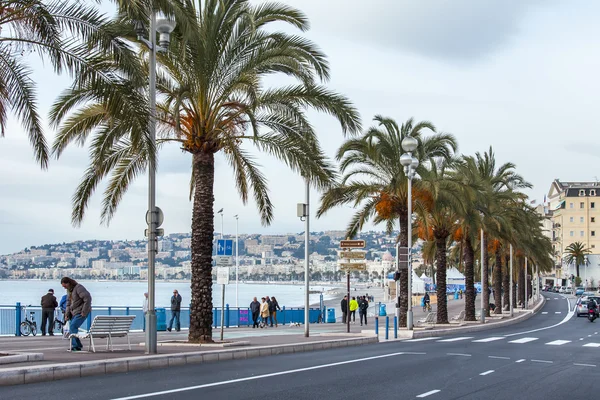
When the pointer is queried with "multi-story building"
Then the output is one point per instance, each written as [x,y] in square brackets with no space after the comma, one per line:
[574,211]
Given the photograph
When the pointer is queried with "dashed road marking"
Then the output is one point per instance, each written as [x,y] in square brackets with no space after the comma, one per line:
[543,361]
[520,361]
[584,365]
[456,339]
[458,354]
[487,372]
[499,357]
[557,312]
[428,393]
[591,345]
[558,342]
[524,340]
[544,312]
[490,339]
[422,339]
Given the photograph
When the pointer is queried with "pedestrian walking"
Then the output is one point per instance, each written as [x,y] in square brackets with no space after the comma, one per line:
[145,309]
[344,305]
[353,308]
[273,307]
[270,320]
[363,306]
[264,312]
[79,306]
[460,292]
[255,310]
[175,311]
[48,303]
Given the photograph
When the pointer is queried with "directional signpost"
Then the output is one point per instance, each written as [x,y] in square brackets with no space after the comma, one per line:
[223,259]
[350,259]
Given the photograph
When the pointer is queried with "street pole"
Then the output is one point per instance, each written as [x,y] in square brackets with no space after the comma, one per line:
[348,302]
[537,283]
[409,313]
[526,274]
[223,309]
[483,308]
[221,225]
[306,262]
[511,283]
[237,263]
[151,336]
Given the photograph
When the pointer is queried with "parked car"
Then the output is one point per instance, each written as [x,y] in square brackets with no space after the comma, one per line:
[581,307]
[562,289]
[579,291]
[556,289]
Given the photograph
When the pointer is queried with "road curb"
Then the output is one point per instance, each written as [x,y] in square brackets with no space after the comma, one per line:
[484,327]
[52,372]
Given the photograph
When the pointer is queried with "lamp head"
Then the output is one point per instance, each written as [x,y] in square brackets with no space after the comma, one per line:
[414,163]
[405,159]
[409,144]
[139,28]
[220,211]
[164,26]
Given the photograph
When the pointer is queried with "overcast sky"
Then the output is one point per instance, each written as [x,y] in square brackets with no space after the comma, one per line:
[521,76]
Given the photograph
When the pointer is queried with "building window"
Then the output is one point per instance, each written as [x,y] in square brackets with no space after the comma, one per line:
[582,192]
[581,205]
[571,219]
[593,192]
[593,246]
[581,233]
[571,233]
[581,219]
[593,219]
[593,233]
[570,205]
[592,205]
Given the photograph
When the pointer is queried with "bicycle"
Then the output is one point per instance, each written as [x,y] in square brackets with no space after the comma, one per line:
[29,326]
[58,323]
[427,307]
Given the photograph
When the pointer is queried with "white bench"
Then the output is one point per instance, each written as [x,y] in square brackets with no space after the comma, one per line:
[430,319]
[106,326]
[460,317]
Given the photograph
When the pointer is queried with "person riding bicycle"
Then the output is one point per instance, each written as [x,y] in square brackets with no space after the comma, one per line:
[426,301]
[592,306]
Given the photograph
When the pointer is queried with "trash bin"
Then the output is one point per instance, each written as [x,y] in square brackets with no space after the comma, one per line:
[161,319]
[330,315]
[382,310]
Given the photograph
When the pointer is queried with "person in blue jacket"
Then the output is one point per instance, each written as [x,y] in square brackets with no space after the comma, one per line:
[63,304]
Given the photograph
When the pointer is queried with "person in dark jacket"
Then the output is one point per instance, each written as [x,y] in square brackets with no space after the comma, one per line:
[344,305]
[255,310]
[175,311]
[273,307]
[363,306]
[79,306]
[48,305]
[270,320]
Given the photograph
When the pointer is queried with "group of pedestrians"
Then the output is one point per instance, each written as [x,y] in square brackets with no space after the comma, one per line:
[349,309]
[266,311]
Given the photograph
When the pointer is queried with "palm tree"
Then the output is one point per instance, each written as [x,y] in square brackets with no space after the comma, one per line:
[575,254]
[374,180]
[215,101]
[70,36]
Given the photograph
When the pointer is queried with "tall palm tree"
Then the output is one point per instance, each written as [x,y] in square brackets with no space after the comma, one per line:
[70,36]
[575,254]
[374,181]
[214,100]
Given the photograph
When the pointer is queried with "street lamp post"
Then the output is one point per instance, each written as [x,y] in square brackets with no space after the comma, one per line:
[220,212]
[237,263]
[164,27]
[410,163]
[510,289]
[483,309]
[307,263]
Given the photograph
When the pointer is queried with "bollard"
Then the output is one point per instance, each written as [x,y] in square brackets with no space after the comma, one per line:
[283,312]
[226,315]
[395,327]
[109,310]
[127,311]
[387,328]
[377,326]
[215,317]
[18,319]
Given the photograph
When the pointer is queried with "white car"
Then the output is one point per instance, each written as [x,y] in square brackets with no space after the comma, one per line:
[562,289]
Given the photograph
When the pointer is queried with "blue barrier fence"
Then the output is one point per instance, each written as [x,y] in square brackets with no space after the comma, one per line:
[12,316]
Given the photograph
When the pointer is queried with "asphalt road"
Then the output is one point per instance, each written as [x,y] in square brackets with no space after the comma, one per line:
[551,355]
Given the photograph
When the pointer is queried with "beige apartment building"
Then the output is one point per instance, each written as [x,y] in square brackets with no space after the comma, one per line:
[573,209]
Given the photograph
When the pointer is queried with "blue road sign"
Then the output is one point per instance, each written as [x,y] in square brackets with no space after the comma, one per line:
[224,247]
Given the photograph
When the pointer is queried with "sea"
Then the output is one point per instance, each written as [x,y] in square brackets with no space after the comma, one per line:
[131,293]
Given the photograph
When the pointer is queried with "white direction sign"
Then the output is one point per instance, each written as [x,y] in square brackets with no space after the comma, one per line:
[223,275]
[224,260]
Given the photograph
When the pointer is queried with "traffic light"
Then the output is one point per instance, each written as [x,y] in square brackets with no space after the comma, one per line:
[572,278]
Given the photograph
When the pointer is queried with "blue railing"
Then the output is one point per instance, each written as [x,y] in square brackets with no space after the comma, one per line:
[12,316]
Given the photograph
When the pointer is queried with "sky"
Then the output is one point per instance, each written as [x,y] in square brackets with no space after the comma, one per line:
[520,76]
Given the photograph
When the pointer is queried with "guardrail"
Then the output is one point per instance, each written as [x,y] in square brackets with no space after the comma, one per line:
[11,316]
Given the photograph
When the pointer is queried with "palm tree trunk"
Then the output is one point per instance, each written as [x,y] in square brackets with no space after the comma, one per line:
[506,288]
[577,267]
[442,299]
[403,295]
[521,287]
[202,245]
[469,257]
[485,280]
[514,289]
[498,283]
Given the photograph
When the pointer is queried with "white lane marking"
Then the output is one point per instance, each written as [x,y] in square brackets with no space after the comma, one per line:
[595,333]
[591,345]
[565,319]
[487,372]
[422,339]
[456,339]
[524,340]
[414,352]
[428,393]
[252,378]
[557,312]
[520,361]
[490,339]
[556,298]
[589,335]
[584,365]
[580,338]
[558,342]
[499,357]
[544,312]
[458,354]
[543,361]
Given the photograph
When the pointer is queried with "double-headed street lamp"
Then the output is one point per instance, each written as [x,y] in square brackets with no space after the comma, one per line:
[410,163]
[164,27]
